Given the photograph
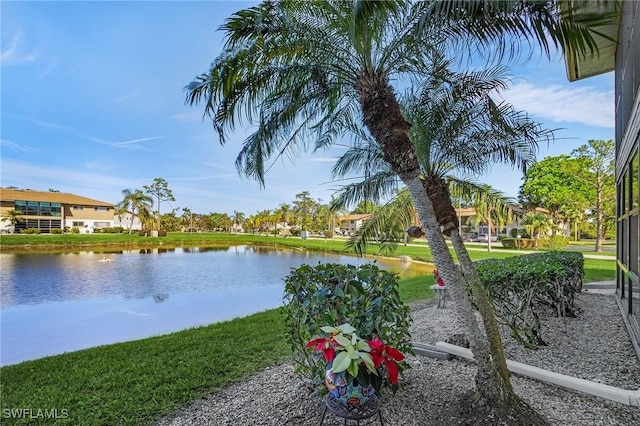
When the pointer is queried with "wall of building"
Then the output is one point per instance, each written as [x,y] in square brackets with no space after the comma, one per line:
[627,105]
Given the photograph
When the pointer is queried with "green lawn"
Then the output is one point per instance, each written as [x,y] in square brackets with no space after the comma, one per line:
[138,382]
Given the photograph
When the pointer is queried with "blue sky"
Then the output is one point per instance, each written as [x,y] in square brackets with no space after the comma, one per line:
[92,102]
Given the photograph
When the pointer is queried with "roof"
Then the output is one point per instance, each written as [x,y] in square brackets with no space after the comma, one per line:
[55,197]
[605,59]
[362,216]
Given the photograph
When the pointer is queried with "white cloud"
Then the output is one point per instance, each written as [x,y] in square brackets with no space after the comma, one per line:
[584,105]
[13,145]
[323,159]
[13,55]
[125,143]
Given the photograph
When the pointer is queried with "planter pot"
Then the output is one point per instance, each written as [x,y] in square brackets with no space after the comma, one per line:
[346,392]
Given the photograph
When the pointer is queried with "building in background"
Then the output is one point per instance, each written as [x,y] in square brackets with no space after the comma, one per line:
[47,211]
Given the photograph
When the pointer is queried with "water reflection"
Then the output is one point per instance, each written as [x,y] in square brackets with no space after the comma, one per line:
[52,303]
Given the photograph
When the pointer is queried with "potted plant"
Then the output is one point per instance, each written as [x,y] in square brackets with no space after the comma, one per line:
[355,367]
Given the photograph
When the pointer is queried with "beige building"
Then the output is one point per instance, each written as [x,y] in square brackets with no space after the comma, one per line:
[53,210]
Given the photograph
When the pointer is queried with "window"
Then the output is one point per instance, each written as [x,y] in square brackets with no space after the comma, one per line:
[32,208]
[77,207]
[101,208]
[20,206]
[78,224]
[45,209]
[56,209]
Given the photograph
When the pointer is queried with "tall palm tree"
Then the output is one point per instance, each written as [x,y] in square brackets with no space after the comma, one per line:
[136,203]
[456,128]
[309,70]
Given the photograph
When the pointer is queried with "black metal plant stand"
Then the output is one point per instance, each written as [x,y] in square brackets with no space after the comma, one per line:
[352,412]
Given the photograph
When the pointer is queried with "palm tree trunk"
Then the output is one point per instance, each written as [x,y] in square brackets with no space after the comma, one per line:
[490,385]
[599,219]
[496,366]
[133,209]
[384,120]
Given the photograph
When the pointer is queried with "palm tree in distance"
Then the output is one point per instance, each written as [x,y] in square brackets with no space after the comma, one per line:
[310,71]
[238,219]
[136,203]
[14,217]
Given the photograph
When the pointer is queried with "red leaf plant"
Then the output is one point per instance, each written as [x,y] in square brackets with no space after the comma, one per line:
[349,352]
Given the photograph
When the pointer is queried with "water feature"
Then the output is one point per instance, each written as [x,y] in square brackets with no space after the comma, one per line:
[54,303]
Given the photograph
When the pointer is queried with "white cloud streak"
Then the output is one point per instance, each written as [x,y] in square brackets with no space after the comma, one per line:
[123,144]
[12,145]
[12,55]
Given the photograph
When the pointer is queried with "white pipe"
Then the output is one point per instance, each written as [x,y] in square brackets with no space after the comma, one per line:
[624,396]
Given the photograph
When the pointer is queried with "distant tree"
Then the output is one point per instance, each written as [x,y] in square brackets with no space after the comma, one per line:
[285,213]
[186,220]
[13,217]
[53,190]
[238,219]
[136,203]
[492,208]
[159,189]
[170,221]
[365,207]
[262,220]
[553,184]
[218,221]
[537,224]
[303,209]
[597,159]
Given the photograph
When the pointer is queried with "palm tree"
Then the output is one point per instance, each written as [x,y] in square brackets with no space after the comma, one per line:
[314,69]
[537,223]
[14,217]
[493,208]
[284,214]
[136,203]
[455,128]
[238,219]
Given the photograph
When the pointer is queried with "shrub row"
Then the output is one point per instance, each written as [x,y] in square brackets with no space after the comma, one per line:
[523,288]
[112,230]
[556,242]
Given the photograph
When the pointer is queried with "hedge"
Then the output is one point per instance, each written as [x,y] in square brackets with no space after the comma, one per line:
[523,288]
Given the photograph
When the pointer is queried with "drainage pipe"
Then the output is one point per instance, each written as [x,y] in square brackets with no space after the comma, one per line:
[624,396]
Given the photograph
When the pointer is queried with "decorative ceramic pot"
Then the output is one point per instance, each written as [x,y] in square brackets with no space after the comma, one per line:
[346,392]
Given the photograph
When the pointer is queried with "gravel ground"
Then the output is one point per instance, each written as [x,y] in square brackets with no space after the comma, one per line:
[595,346]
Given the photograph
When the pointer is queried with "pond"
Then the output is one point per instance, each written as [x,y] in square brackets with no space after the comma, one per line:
[55,303]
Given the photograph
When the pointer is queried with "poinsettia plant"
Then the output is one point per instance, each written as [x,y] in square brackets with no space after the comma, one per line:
[369,362]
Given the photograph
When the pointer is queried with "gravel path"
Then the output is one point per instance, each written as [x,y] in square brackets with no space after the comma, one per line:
[595,346]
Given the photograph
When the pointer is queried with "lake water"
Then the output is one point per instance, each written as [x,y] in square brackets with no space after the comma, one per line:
[55,303]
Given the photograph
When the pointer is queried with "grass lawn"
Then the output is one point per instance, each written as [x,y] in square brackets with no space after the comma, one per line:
[137,382]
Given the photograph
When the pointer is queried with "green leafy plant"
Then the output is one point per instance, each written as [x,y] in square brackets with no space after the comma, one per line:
[346,351]
[365,297]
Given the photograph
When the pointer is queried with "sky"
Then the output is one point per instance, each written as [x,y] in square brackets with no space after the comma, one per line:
[93,102]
